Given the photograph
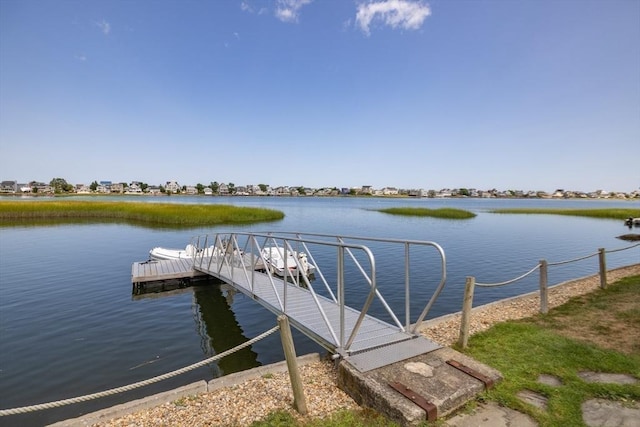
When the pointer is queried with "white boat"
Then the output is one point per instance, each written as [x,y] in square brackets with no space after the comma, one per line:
[274,257]
[187,253]
[631,221]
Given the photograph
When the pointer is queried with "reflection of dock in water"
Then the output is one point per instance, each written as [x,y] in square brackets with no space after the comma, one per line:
[219,329]
[215,321]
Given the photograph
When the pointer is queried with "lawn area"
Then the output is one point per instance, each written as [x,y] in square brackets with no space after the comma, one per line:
[596,332]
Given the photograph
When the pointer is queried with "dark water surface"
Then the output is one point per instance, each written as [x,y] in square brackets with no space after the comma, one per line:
[70,326]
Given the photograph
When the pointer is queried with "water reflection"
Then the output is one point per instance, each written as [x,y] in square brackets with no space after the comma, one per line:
[219,329]
[214,320]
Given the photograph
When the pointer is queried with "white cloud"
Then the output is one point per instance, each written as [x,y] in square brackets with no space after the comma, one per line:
[405,14]
[289,10]
[104,26]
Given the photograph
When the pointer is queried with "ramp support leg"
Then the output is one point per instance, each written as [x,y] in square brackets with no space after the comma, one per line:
[299,401]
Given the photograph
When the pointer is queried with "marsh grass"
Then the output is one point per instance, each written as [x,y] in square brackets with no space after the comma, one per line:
[152,214]
[590,213]
[446,213]
[523,350]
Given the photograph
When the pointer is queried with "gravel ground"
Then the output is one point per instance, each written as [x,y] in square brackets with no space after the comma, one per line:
[251,401]
[446,332]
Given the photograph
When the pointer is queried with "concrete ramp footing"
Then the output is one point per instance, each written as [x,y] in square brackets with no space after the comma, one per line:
[434,384]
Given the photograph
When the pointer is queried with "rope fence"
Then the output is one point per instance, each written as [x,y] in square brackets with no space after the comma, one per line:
[59,403]
[542,266]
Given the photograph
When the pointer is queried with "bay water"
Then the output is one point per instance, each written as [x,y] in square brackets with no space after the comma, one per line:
[70,324]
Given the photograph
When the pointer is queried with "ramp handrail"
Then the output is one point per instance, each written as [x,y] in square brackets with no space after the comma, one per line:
[227,252]
[407,244]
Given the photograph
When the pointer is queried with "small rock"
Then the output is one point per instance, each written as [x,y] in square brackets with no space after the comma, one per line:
[533,398]
[551,380]
[419,368]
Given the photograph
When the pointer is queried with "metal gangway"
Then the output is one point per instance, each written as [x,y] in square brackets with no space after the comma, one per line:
[316,304]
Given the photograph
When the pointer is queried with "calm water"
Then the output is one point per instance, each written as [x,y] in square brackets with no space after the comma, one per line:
[70,326]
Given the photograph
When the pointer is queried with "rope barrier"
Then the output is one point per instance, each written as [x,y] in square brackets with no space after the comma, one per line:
[59,403]
[488,285]
[622,249]
[572,260]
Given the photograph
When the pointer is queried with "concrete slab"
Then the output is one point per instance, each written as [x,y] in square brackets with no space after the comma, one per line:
[491,415]
[533,398]
[605,377]
[601,412]
[429,376]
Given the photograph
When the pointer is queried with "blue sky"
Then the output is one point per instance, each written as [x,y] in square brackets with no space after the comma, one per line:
[531,95]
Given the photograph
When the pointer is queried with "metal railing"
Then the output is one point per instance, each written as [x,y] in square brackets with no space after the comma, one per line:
[244,253]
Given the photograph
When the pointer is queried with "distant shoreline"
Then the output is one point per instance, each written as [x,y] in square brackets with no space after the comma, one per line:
[346,196]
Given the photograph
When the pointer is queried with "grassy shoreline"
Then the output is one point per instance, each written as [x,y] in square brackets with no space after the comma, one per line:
[159,214]
[445,213]
[613,213]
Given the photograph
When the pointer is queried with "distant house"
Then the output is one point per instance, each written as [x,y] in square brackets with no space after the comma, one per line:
[241,190]
[134,188]
[154,190]
[223,189]
[191,190]
[366,189]
[172,187]
[117,188]
[9,187]
[40,187]
[83,189]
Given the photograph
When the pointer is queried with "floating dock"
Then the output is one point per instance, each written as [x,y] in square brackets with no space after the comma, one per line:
[159,270]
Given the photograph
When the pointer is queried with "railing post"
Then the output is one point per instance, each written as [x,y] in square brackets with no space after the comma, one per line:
[544,294]
[299,401]
[407,283]
[466,311]
[340,278]
[603,268]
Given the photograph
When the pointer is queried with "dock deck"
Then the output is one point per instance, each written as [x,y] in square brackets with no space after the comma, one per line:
[158,270]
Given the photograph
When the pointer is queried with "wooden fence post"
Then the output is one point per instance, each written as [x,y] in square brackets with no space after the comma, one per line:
[603,268]
[466,311]
[544,294]
[299,401]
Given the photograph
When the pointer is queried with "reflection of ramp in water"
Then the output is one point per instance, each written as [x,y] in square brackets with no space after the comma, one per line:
[214,320]
[219,329]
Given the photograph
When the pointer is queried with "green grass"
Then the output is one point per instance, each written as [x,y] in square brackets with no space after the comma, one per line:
[591,213]
[447,213]
[522,350]
[345,418]
[149,214]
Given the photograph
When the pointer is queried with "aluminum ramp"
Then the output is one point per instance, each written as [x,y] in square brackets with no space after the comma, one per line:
[376,343]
